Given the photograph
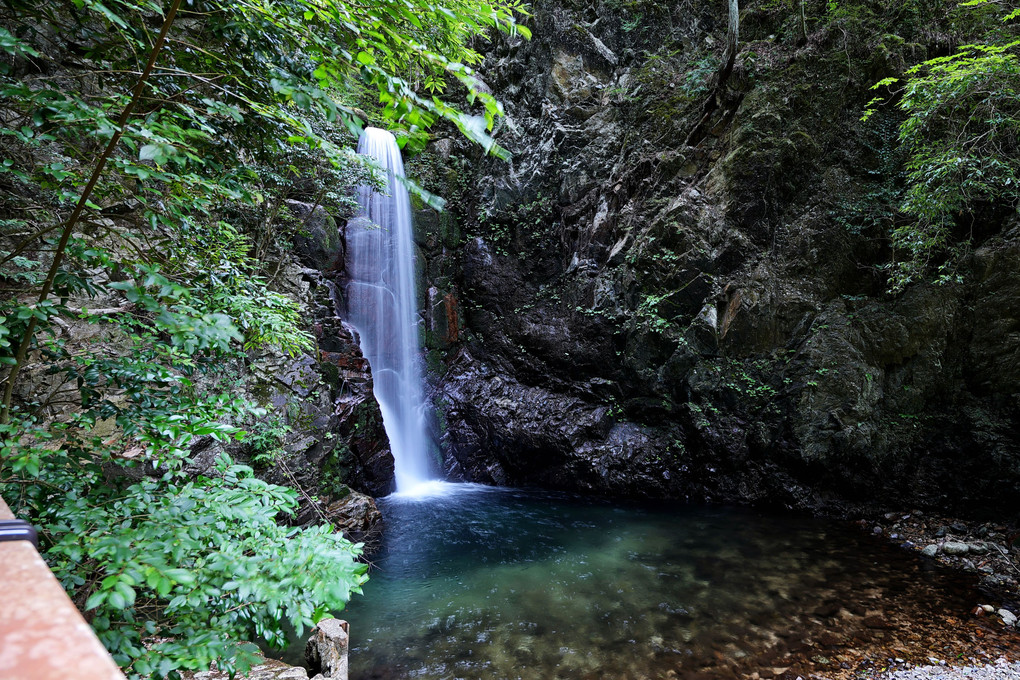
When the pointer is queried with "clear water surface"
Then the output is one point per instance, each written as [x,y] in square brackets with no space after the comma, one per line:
[479,582]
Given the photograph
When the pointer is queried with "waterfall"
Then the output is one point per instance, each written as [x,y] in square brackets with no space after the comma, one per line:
[381,306]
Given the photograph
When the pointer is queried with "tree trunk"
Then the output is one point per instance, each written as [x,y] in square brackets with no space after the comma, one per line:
[733,33]
[732,41]
[713,102]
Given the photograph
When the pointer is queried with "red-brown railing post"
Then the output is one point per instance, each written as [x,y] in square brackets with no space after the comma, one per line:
[42,634]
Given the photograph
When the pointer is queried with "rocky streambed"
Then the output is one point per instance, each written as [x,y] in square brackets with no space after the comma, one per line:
[1000,669]
[987,551]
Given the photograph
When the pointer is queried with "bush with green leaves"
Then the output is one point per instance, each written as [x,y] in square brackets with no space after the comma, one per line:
[961,136]
[264,441]
[173,573]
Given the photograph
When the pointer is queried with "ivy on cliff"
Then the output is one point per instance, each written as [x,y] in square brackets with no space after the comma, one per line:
[161,285]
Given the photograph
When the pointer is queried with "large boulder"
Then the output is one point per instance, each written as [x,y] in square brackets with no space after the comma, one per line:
[356,515]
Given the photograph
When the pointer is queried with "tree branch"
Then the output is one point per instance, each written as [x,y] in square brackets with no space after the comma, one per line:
[26,338]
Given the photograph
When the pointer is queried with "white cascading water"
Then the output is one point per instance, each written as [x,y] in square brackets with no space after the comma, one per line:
[381,306]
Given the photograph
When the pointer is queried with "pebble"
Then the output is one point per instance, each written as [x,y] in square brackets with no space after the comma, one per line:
[1008,617]
[1000,670]
[955,548]
[930,550]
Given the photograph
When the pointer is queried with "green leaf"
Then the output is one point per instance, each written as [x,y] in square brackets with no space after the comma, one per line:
[116,600]
[96,599]
[181,576]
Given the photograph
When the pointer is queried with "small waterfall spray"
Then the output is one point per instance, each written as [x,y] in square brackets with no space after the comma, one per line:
[381,306]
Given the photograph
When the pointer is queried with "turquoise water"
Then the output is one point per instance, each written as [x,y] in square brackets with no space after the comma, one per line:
[500,583]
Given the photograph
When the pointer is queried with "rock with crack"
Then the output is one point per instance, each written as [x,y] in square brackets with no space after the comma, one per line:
[326,650]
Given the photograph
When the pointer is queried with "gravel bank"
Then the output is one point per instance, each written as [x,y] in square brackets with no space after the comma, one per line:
[998,670]
[989,550]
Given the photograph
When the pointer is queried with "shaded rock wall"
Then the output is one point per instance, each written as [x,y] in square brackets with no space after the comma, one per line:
[642,310]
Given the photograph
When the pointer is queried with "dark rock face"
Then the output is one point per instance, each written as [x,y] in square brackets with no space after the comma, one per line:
[317,241]
[642,311]
[336,438]
[349,447]
[363,459]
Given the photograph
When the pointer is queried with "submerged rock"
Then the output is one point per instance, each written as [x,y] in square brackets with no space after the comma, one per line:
[1008,617]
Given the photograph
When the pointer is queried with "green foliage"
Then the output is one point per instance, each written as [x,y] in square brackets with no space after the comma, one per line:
[960,136]
[264,442]
[171,273]
[674,83]
[753,381]
[527,221]
[874,208]
[173,573]
[336,469]
[699,76]
[648,314]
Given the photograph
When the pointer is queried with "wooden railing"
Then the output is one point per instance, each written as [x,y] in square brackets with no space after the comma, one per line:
[42,634]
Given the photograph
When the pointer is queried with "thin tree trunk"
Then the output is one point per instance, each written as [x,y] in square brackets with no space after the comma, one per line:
[729,58]
[803,19]
[65,237]
[732,37]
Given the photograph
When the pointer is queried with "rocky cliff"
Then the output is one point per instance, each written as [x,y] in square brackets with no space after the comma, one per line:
[675,288]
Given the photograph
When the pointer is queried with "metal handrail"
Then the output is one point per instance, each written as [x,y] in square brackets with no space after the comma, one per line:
[42,634]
